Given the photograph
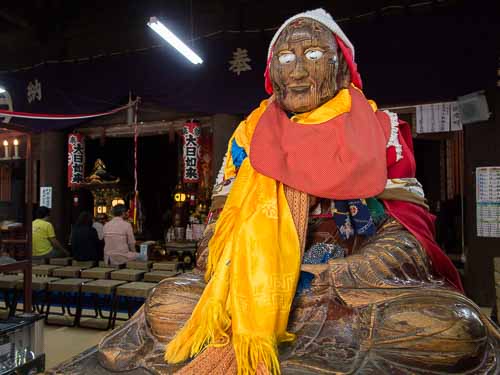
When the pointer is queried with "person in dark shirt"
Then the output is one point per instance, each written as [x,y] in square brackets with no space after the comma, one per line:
[84,239]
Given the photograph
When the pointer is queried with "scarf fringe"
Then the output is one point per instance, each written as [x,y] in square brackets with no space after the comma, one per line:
[254,350]
[196,335]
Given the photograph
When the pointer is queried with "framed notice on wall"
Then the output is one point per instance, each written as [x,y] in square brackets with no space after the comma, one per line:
[46,196]
[488,201]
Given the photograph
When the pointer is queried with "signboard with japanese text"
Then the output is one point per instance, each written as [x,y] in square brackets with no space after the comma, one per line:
[76,159]
[191,133]
[438,118]
[46,196]
[488,201]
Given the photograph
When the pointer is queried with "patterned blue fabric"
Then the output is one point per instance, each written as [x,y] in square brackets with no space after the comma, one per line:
[304,283]
[322,252]
[317,254]
[238,154]
[353,217]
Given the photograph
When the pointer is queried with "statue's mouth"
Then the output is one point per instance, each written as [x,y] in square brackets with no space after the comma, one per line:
[299,88]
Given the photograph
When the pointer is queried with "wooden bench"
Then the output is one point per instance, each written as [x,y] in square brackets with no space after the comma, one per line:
[127,274]
[39,286]
[139,265]
[67,272]
[8,288]
[102,264]
[83,264]
[167,266]
[97,273]
[98,288]
[137,289]
[43,269]
[157,276]
[73,287]
[61,261]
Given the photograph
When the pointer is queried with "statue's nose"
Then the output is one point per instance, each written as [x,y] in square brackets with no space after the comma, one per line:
[299,72]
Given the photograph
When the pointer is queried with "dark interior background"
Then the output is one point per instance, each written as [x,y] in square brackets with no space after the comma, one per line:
[157,166]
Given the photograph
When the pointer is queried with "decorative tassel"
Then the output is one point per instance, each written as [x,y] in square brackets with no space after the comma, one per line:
[253,352]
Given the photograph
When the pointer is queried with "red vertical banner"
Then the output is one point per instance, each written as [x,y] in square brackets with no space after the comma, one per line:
[76,159]
[191,134]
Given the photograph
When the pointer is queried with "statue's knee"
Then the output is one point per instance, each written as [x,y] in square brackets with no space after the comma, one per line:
[430,331]
[170,304]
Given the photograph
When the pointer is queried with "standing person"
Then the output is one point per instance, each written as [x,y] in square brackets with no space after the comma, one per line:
[85,240]
[45,243]
[119,240]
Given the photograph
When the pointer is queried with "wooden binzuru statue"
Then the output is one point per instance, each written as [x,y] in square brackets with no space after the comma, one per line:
[320,255]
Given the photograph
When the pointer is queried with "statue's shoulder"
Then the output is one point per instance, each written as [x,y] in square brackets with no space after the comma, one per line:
[244,132]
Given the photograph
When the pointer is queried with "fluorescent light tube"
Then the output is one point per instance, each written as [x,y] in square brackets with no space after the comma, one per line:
[175,42]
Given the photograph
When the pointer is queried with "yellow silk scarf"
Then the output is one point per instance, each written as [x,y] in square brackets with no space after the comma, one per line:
[253,264]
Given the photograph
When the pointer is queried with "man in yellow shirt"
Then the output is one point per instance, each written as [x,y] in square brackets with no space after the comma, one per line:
[45,243]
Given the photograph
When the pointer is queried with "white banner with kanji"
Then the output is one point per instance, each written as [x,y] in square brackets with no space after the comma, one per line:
[76,159]
[191,133]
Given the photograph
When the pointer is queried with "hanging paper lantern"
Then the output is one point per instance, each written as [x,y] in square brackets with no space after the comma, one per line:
[101,207]
[191,133]
[116,201]
[179,194]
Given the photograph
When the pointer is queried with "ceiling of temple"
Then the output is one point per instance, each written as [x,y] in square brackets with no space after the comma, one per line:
[40,30]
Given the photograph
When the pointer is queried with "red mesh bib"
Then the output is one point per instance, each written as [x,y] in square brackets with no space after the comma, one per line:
[343,158]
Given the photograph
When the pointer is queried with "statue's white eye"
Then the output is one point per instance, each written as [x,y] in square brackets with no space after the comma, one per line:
[314,54]
[286,58]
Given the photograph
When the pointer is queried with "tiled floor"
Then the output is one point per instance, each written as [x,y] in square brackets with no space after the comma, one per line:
[62,343]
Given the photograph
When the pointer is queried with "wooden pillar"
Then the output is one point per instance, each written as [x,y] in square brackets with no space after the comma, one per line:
[53,167]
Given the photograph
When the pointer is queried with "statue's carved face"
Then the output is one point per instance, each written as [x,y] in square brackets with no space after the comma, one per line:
[306,68]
